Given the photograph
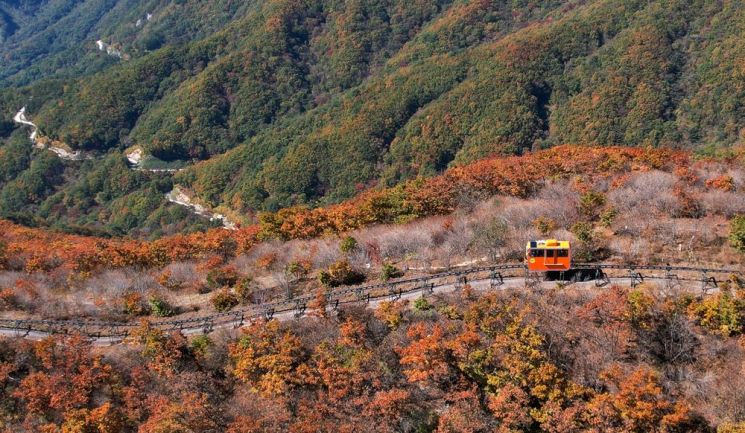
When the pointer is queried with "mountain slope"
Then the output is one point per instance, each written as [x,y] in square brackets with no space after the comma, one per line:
[285,102]
[57,38]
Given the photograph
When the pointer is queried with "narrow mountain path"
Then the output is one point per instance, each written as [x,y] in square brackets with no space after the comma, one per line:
[20,118]
[61,152]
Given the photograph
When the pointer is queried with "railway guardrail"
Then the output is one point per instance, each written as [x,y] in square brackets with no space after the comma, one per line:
[708,279]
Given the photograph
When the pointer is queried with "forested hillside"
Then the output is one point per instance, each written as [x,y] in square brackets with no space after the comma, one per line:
[274,103]
[311,216]
[57,38]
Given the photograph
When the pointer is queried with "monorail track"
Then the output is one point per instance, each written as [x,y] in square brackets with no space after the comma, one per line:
[101,332]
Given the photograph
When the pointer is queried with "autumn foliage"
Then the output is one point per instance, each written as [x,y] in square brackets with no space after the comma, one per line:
[494,363]
[40,250]
[514,176]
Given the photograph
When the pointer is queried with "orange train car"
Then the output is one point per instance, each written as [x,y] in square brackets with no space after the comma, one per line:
[548,255]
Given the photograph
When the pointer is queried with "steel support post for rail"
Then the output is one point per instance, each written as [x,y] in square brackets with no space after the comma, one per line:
[635,277]
[708,283]
[495,280]
[532,279]
[394,293]
[207,326]
[19,328]
[672,281]
[299,309]
[601,278]
[241,320]
[424,289]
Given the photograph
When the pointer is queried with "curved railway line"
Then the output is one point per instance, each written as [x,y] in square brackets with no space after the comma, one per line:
[702,279]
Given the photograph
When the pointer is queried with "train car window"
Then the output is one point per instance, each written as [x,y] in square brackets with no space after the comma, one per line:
[537,252]
[563,253]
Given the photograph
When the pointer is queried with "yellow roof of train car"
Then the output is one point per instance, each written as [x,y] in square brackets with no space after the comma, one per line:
[548,244]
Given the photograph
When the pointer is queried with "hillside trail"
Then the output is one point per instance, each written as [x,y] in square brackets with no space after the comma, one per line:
[20,118]
[62,153]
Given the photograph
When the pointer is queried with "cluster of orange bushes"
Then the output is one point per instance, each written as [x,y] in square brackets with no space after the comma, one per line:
[41,250]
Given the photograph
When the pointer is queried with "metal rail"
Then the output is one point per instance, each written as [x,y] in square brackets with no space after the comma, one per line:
[114,332]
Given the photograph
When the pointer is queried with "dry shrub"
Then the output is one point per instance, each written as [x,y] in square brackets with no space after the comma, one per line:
[456,242]
[514,248]
[402,241]
[221,277]
[142,282]
[181,273]
[721,389]
[711,171]
[9,278]
[133,304]
[361,258]
[631,249]
[111,283]
[398,242]
[31,296]
[246,290]
[647,192]
[560,208]
[244,264]
[265,257]
[326,252]
[690,231]
[414,244]
[725,203]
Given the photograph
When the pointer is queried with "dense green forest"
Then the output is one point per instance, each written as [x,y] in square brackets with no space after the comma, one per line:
[273,103]
[56,38]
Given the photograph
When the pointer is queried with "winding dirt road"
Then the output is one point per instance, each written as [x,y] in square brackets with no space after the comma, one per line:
[135,159]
